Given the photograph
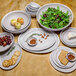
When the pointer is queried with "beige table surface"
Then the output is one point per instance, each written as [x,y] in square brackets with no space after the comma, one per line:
[33,64]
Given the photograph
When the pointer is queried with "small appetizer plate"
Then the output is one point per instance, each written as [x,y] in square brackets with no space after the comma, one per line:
[65,69]
[64,37]
[4,48]
[64,8]
[9,54]
[6,21]
[58,51]
[60,69]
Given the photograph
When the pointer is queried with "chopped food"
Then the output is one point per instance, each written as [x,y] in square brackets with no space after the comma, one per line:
[71,57]
[13,21]
[71,35]
[20,20]
[5,40]
[12,61]
[54,18]
[62,57]
[17,25]
[32,41]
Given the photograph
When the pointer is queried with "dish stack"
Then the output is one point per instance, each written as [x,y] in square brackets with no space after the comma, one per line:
[68,37]
[55,61]
[32,8]
[45,41]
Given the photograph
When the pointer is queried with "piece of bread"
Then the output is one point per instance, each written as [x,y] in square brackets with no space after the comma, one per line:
[17,53]
[62,57]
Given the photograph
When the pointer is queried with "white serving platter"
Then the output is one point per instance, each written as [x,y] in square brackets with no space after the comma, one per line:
[54,46]
[5,56]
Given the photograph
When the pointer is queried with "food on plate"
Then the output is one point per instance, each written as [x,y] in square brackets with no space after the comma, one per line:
[5,40]
[20,20]
[11,50]
[71,56]
[13,21]
[12,60]
[17,25]
[17,53]
[5,63]
[32,41]
[71,35]
[62,57]
[54,18]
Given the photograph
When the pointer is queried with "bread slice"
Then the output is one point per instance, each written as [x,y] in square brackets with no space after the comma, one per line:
[62,57]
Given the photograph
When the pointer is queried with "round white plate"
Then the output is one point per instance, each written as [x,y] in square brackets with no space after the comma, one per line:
[5,57]
[43,51]
[64,37]
[15,14]
[54,5]
[60,69]
[56,60]
[2,49]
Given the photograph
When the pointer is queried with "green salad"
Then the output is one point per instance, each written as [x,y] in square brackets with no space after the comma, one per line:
[54,18]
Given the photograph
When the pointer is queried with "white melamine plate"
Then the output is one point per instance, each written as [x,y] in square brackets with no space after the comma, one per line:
[64,37]
[54,46]
[56,54]
[61,69]
[46,43]
[4,56]
[2,49]
[64,8]
[15,14]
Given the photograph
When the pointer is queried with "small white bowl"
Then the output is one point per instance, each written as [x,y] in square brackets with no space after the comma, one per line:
[71,53]
[28,41]
[33,14]
[34,5]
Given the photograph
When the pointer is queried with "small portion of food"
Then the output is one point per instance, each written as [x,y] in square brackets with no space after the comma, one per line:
[71,56]
[71,35]
[11,50]
[5,40]
[13,21]
[12,61]
[17,53]
[32,41]
[62,57]
[54,18]
[20,20]
[5,63]
[17,25]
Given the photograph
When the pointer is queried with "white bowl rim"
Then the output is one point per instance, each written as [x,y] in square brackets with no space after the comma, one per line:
[50,29]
